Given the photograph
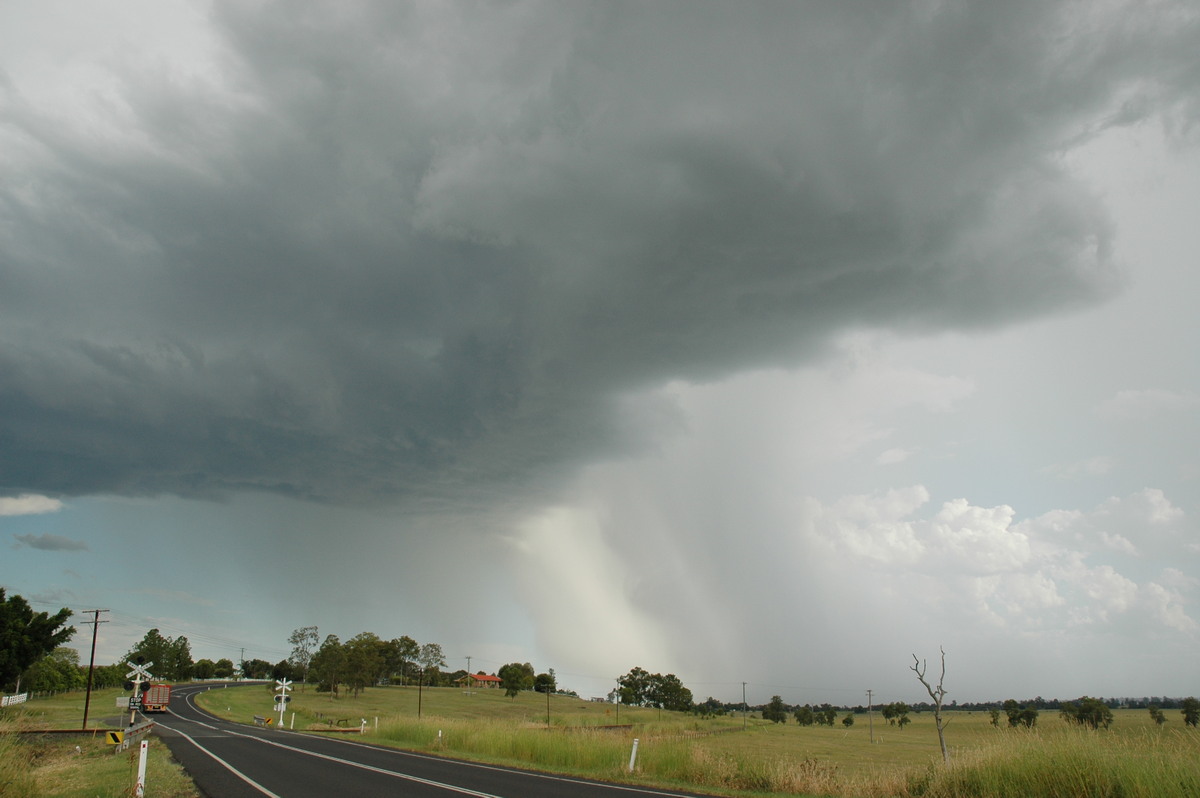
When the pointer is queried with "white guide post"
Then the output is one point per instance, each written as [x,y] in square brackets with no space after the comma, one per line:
[139,789]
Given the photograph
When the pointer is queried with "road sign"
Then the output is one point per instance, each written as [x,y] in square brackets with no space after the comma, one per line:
[114,737]
[139,670]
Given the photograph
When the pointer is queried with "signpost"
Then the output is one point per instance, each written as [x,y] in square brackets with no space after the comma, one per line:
[282,699]
[139,674]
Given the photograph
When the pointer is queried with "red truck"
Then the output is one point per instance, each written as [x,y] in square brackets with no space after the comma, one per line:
[156,698]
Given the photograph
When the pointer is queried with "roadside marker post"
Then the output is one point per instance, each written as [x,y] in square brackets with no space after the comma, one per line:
[139,790]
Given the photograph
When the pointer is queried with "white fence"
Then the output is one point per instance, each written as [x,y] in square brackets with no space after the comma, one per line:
[9,700]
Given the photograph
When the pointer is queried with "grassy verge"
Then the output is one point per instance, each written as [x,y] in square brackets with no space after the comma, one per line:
[82,767]
[51,766]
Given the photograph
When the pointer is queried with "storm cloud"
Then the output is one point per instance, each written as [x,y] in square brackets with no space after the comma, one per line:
[375,251]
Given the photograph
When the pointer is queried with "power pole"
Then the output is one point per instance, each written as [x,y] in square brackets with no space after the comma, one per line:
[870,717]
[87,701]
[745,707]
[467,681]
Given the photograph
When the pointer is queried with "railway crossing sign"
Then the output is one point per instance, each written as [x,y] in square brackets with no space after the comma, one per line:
[139,672]
[281,700]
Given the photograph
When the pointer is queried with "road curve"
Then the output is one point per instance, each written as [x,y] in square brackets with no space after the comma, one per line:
[228,760]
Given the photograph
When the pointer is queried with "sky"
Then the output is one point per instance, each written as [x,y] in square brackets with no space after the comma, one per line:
[772,344]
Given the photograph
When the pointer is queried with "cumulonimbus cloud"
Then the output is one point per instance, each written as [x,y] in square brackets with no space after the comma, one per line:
[382,251]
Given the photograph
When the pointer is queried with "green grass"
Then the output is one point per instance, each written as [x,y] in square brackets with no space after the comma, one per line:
[83,766]
[50,766]
[1133,758]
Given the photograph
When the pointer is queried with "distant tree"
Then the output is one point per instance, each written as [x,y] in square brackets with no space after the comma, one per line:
[204,669]
[223,668]
[515,677]
[805,716]
[826,715]
[401,652]
[27,636]
[668,692]
[848,721]
[545,682]
[634,687]
[432,660]
[57,672]
[328,665]
[304,643]
[1020,715]
[937,694]
[1086,711]
[256,668]
[284,669]
[644,689]
[900,713]
[1157,715]
[364,661]
[169,658]
[775,711]
[179,660]
[995,713]
[1190,708]
[889,713]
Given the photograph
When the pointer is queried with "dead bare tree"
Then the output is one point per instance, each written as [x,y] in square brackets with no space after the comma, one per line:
[937,694]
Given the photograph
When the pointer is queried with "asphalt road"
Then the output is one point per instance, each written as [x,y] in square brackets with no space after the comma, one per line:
[228,760]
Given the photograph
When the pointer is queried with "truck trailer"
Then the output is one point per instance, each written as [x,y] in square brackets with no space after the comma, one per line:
[156,698]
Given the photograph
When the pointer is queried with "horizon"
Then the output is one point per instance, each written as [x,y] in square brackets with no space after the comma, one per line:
[765,344]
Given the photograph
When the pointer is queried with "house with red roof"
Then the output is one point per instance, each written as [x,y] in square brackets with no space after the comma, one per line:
[480,679]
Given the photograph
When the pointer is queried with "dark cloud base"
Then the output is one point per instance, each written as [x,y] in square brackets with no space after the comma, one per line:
[421,253]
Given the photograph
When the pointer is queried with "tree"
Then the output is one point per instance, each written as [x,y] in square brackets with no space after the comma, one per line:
[545,682]
[668,692]
[223,668]
[1086,711]
[171,656]
[204,669]
[57,672]
[256,668]
[431,660]
[304,642]
[1157,715]
[848,721]
[364,661]
[1020,715]
[937,694]
[515,677]
[640,688]
[328,664]
[27,636]
[1190,709]
[805,716]
[634,687]
[775,711]
[400,652]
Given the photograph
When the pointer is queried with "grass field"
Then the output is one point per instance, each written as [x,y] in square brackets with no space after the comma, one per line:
[1134,757]
[78,766]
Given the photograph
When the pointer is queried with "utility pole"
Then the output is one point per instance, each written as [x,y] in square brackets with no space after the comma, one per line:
[87,701]
[745,707]
[870,717]
[469,679]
